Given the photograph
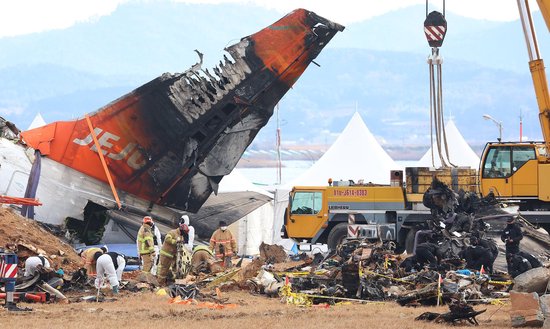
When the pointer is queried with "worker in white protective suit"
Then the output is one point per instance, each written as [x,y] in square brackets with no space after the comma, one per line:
[109,266]
[185,220]
[158,245]
[32,263]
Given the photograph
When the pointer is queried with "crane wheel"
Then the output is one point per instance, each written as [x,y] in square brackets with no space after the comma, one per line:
[409,241]
[337,235]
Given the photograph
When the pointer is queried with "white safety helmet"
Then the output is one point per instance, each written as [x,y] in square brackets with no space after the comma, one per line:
[185,220]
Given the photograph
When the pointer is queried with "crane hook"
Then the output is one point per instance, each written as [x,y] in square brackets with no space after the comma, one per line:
[435,27]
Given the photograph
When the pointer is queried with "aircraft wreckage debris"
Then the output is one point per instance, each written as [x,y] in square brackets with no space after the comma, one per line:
[172,140]
[358,271]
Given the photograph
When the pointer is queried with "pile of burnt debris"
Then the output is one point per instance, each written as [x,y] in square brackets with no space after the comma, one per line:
[456,261]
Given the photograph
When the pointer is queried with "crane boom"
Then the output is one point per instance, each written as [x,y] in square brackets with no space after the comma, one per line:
[544,6]
[518,172]
[536,63]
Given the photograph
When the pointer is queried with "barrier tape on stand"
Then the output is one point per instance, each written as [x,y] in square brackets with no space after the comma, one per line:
[303,299]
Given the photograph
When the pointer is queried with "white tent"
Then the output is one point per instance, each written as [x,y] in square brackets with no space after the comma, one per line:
[256,227]
[460,153]
[37,122]
[237,182]
[355,155]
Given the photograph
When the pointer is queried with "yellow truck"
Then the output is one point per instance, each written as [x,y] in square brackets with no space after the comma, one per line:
[328,214]
[519,172]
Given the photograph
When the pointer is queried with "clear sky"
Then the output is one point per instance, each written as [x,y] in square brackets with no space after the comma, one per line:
[19,17]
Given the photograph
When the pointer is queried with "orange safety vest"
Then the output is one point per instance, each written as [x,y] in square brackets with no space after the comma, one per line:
[225,239]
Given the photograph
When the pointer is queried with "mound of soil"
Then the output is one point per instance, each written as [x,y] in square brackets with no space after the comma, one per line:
[32,239]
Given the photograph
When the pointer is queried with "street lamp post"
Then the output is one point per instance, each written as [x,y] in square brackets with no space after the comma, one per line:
[498,123]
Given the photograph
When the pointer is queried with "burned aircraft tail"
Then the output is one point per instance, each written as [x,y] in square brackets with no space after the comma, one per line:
[172,140]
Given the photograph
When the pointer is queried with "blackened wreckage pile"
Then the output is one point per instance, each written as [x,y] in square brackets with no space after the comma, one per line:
[458,260]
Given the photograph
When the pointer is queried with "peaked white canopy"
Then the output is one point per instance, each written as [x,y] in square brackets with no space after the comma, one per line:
[237,182]
[37,122]
[460,153]
[355,155]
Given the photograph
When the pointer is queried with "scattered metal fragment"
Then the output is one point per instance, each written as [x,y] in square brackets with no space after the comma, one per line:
[459,312]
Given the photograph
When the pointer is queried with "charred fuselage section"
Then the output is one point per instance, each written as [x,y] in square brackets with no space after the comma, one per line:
[173,139]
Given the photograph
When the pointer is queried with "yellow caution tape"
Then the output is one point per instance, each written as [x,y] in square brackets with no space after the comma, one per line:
[294,298]
[302,299]
[292,273]
[504,283]
[222,278]
[497,302]
[303,273]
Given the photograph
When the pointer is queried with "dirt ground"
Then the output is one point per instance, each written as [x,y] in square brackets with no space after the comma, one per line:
[147,310]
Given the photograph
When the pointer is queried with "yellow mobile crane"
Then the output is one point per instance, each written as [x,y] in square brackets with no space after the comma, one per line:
[511,170]
[520,171]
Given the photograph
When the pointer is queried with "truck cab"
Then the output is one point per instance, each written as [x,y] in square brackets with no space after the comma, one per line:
[331,213]
[515,171]
[328,214]
[307,211]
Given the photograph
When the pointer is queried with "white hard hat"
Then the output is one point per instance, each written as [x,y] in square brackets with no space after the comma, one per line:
[185,219]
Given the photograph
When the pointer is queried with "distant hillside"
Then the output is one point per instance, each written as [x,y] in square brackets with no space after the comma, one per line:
[391,92]
[141,39]
[57,92]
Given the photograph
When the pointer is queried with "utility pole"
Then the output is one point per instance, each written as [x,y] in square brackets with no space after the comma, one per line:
[279,162]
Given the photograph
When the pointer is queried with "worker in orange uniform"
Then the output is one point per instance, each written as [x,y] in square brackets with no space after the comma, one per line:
[88,258]
[146,245]
[168,251]
[223,244]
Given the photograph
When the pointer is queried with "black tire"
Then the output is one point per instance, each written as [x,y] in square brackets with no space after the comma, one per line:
[337,235]
[409,241]
[400,241]
[399,249]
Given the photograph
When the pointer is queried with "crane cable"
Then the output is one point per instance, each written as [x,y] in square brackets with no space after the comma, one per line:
[443,130]
[437,119]
[434,112]
[435,27]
